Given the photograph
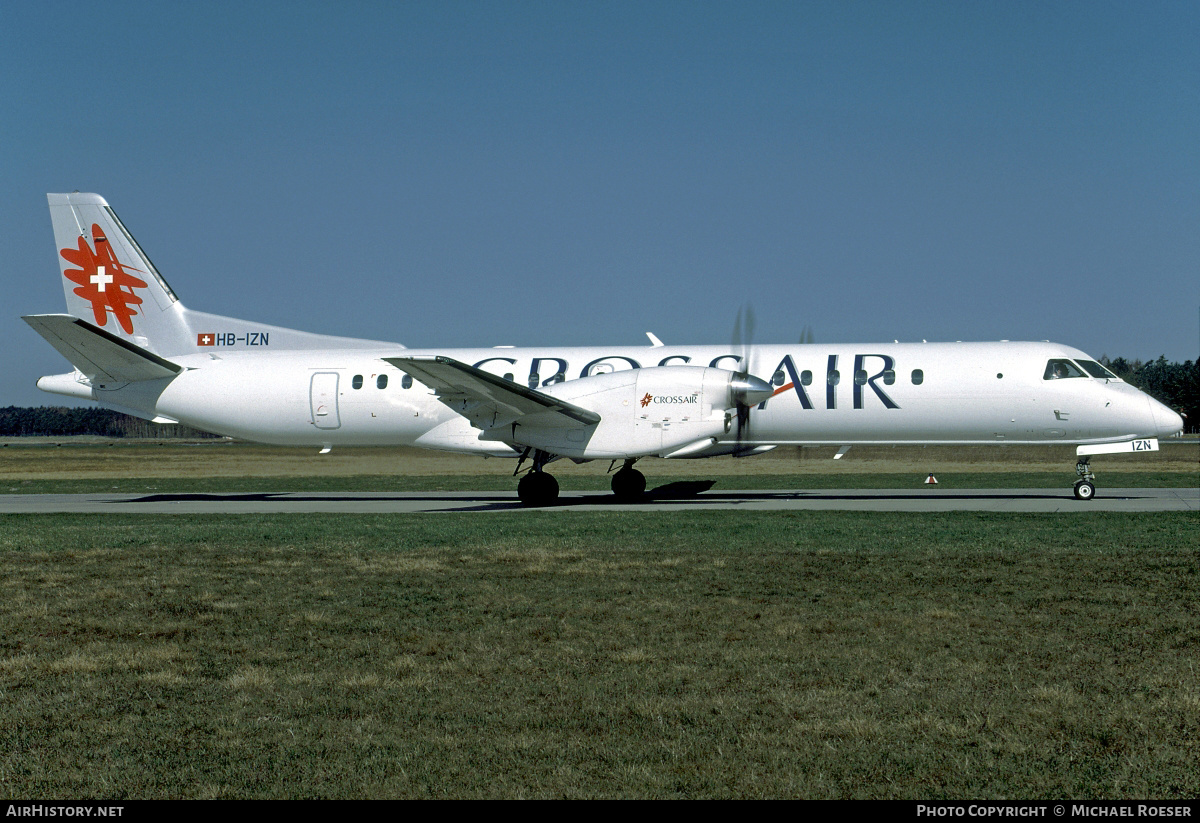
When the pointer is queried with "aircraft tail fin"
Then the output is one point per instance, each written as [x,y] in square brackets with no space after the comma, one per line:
[111,284]
[108,280]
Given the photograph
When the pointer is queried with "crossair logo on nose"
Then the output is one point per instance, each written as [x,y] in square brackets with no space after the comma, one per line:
[104,281]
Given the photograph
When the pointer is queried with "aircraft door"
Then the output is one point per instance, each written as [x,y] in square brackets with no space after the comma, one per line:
[323,400]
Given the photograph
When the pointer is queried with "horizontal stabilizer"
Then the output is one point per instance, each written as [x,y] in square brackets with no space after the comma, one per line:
[99,354]
[488,400]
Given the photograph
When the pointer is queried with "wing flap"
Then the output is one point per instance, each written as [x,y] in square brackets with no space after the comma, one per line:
[487,400]
[99,354]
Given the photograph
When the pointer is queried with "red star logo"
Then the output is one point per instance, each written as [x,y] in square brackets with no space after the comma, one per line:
[104,281]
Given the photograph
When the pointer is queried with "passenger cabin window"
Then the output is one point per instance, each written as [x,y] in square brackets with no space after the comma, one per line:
[1060,369]
[1096,370]
[381,381]
[406,381]
[918,377]
[356,382]
[860,377]
[778,378]
[806,378]
[889,377]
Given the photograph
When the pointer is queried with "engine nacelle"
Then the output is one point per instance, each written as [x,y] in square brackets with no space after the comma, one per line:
[662,410]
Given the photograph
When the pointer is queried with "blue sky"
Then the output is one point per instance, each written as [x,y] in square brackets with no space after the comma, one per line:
[527,173]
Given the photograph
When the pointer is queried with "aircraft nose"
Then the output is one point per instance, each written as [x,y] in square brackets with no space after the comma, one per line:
[1166,422]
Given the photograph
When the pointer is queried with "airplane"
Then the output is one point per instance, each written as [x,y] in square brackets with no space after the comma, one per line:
[136,349]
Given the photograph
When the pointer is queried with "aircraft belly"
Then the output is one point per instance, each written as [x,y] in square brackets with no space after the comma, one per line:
[261,411]
[458,435]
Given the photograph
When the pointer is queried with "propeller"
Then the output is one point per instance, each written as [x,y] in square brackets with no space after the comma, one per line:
[746,390]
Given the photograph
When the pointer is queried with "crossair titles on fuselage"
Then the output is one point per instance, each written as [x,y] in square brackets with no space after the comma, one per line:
[786,375]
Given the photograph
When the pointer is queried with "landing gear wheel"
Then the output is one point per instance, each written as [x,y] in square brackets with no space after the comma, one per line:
[538,489]
[629,485]
[1085,489]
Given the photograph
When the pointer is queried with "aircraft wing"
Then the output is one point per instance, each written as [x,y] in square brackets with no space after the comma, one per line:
[489,401]
[100,354]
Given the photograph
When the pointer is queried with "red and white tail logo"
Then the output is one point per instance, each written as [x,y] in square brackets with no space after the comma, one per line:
[104,281]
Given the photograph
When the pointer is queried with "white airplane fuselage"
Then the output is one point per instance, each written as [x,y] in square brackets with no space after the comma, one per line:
[968,393]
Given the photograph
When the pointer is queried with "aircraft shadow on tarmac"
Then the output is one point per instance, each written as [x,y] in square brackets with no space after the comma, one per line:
[692,491]
[316,497]
[670,491]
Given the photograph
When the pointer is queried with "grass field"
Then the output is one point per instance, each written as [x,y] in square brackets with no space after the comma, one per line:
[571,654]
[621,655]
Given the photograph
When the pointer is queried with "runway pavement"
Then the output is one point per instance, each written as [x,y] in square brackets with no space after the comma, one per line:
[676,497]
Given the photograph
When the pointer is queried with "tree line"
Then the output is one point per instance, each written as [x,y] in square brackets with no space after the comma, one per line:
[61,421]
[1175,384]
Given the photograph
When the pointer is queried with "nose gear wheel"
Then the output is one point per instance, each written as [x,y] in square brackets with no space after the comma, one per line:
[1085,486]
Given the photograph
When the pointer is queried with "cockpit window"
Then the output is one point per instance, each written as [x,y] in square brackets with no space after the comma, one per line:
[1096,370]
[1058,369]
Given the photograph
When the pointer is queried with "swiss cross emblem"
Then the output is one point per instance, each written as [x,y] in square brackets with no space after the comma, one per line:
[205,340]
[104,281]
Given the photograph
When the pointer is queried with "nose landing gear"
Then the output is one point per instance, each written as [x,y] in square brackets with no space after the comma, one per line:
[1085,487]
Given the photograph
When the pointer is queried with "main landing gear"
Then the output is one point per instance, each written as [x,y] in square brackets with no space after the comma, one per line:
[537,487]
[1085,487]
[629,484]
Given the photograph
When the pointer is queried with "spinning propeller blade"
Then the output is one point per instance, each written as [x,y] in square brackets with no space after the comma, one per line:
[746,390]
